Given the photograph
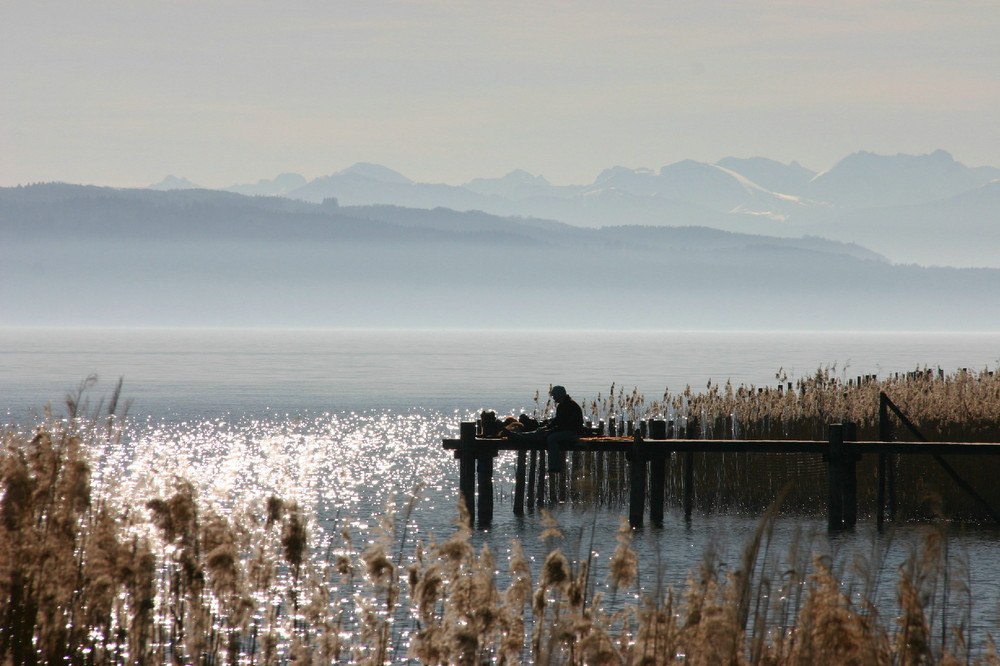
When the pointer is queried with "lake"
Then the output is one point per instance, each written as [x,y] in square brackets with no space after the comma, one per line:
[350,422]
[187,373]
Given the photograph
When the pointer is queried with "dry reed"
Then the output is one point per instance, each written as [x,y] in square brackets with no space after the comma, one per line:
[963,406]
[86,579]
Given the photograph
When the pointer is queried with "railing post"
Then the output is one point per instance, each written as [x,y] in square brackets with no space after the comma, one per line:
[467,466]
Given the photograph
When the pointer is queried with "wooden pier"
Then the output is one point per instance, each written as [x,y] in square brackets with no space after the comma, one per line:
[648,451]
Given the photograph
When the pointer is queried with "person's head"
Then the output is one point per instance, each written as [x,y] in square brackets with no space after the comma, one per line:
[558,393]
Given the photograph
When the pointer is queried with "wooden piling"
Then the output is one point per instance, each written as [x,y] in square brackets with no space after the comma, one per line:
[691,432]
[519,473]
[842,496]
[657,429]
[540,485]
[484,469]
[886,435]
[657,485]
[614,474]
[850,478]
[600,481]
[840,450]
[835,499]
[637,482]
[467,466]
[890,482]
[880,493]
[532,471]
[574,474]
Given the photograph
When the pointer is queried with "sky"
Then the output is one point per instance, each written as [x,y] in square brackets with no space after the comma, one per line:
[125,92]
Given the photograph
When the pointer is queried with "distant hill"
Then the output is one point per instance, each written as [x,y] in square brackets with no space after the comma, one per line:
[519,185]
[174,183]
[279,186]
[770,174]
[965,226]
[866,180]
[873,196]
[103,256]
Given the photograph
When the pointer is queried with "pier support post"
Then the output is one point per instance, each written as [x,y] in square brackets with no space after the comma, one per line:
[600,459]
[842,497]
[851,478]
[880,491]
[571,478]
[540,486]
[637,478]
[467,466]
[519,473]
[657,430]
[484,469]
[657,485]
[690,432]
[891,483]
[886,466]
[532,467]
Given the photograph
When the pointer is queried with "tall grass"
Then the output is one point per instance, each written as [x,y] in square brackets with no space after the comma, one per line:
[962,406]
[87,578]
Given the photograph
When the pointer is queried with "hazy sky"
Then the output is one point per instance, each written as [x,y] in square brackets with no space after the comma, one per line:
[122,92]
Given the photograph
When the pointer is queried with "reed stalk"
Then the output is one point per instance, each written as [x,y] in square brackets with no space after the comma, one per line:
[92,579]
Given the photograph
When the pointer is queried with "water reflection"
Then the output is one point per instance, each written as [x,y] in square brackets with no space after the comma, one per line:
[347,470]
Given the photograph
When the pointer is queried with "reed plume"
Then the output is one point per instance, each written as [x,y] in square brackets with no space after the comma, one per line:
[88,579]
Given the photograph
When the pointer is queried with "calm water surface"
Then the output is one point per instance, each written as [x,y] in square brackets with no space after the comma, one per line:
[351,422]
[183,373]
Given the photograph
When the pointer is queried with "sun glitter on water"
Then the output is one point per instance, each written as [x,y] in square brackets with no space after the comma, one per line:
[334,465]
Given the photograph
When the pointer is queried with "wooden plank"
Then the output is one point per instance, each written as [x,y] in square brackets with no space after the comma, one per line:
[475,455]
[751,446]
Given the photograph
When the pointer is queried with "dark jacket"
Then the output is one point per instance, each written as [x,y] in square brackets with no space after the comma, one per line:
[568,416]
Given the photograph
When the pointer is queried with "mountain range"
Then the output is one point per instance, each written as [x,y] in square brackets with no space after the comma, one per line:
[73,254]
[924,209]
